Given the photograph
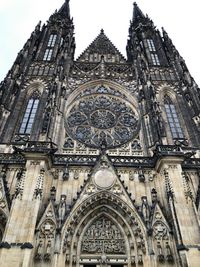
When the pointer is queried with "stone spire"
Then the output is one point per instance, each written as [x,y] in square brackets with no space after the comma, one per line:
[137,13]
[65,10]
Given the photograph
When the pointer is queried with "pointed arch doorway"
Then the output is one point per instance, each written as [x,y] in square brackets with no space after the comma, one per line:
[104,231]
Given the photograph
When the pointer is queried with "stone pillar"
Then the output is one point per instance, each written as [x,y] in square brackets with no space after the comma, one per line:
[20,229]
[182,210]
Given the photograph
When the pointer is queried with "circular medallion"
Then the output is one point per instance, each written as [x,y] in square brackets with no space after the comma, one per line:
[104,178]
[101,119]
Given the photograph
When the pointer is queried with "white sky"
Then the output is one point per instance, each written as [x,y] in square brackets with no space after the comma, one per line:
[180,18]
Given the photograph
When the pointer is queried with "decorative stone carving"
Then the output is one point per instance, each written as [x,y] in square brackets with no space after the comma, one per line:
[103,236]
[39,185]
[187,187]
[102,120]
[141,176]
[66,173]
[104,178]
[145,209]
[136,145]
[90,189]
[47,229]
[69,143]
[161,257]
[169,256]
[47,255]
[62,208]
[161,237]
[20,184]
[3,199]
[160,231]
[39,251]
[168,183]
[117,189]
[4,202]
[131,175]
[76,174]
[45,238]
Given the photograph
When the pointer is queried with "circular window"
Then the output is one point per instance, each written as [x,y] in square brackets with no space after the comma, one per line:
[102,120]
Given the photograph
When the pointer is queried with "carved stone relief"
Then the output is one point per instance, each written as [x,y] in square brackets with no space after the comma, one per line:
[39,186]
[20,183]
[103,236]
[45,237]
[162,239]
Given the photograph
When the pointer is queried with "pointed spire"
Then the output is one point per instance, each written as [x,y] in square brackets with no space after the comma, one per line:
[65,10]
[137,13]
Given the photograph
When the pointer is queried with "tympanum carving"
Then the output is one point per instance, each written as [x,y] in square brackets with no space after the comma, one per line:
[103,236]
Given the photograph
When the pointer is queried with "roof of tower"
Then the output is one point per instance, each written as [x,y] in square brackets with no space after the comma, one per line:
[137,12]
[101,46]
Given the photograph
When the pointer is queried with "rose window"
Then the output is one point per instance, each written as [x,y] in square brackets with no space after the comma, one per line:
[102,119]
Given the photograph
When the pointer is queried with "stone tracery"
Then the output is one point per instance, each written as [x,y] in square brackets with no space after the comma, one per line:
[101,119]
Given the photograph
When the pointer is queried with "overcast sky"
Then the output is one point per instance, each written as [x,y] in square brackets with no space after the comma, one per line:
[180,18]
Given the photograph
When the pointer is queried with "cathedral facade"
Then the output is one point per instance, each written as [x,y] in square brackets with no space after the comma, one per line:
[99,156]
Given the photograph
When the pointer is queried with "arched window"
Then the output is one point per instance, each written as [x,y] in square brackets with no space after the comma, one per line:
[173,119]
[29,115]
[50,46]
[152,49]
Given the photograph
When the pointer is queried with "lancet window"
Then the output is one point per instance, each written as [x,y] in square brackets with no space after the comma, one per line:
[155,59]
[29,115]
[152,49]
[173,119]
[151,45]
[50,46]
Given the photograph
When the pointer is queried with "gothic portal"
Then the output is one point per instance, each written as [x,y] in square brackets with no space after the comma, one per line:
[99,156]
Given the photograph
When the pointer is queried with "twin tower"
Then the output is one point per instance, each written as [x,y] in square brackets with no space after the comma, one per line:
[99,156]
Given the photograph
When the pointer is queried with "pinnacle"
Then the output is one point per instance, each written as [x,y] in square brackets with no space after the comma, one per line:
[65,10]
[137,13]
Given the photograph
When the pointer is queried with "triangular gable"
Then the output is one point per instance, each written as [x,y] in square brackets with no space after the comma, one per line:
[48,215]
[101,47]
[159,224]
[103,177]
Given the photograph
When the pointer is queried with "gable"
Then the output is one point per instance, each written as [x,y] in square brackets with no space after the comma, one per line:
[101,47]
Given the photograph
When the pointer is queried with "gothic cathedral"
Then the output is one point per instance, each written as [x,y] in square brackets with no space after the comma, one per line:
[99,156]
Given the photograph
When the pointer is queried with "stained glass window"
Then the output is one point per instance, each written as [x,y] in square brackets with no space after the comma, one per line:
[49,50]
[155,59]
[151,45]
[152,49]
[52,40]
[29,116]
[173,119]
